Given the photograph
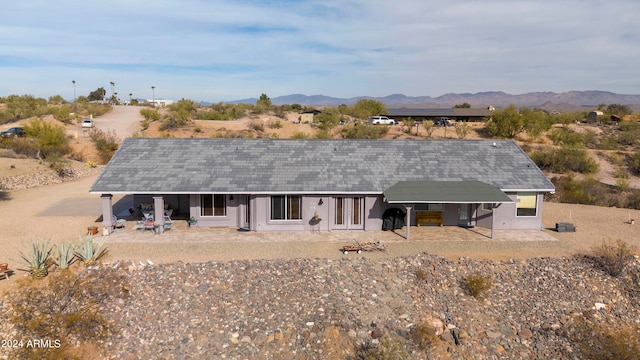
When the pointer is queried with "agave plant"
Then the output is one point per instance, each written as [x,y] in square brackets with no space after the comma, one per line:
[89,252]
[38,259]
[64,256]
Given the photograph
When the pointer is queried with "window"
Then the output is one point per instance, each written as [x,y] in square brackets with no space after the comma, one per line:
[429,207]
[527,204]
[286,207]
[339,213]
[213,205]
[487,206]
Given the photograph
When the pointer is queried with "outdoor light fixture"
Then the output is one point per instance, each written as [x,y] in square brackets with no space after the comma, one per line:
[320,202]
[231,197]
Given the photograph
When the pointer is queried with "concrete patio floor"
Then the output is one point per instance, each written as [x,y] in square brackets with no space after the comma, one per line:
[181,233]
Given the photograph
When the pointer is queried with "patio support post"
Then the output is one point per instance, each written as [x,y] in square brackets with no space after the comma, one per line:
[408,220]
[492,220]
[107,211]
[158,207]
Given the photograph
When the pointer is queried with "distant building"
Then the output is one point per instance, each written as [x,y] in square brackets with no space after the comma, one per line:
[160,102]
[457,114]
[594,116]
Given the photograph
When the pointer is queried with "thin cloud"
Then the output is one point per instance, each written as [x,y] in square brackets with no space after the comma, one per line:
[226,50]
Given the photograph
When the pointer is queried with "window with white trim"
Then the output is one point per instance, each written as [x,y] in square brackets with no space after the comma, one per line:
[213,205]
[487,206]
[286,207]
[527,204]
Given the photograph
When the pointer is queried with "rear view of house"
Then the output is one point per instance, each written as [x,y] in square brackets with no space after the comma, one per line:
[329,185]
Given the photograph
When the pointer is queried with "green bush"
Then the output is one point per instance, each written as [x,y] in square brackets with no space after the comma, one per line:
[150,115]
[359,131]
[565,159]
[462,130]
[49,138]
[565,136]
[614,258]
[608,143]
[476,284]
[106,143]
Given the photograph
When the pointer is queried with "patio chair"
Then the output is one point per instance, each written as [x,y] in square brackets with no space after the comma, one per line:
[148,225]
[167,222]
[193,222]
[119,223]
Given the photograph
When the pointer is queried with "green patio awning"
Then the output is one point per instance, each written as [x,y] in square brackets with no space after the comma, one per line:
[425,192]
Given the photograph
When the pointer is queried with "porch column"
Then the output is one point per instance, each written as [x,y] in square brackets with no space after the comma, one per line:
[408,220]
[158,213]
[107,211]
[492,220]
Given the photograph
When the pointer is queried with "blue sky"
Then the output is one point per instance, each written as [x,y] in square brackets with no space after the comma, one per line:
[227,50]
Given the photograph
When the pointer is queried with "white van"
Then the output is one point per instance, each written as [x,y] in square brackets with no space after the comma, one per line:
[375,120]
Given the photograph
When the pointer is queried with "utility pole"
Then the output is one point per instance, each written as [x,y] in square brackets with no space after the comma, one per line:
[153,90]
[74,90]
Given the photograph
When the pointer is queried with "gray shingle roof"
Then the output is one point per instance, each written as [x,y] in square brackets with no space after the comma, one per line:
[144,165]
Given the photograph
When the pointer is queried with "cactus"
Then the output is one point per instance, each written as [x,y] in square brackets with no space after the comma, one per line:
[38,260]
[89,252]
[64,256]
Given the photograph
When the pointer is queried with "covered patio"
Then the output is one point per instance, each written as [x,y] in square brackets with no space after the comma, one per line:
[414,194]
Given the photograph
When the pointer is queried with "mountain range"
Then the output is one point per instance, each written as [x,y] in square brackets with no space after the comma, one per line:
[565,101]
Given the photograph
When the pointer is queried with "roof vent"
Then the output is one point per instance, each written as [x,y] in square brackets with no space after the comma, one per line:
[494,145]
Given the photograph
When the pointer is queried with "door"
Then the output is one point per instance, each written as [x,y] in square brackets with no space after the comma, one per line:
[245,212]
[463,210]
[348,212]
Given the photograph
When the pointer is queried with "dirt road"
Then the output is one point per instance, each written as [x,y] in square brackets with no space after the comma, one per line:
[123,120]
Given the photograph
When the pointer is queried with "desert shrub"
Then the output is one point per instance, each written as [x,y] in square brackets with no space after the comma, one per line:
[608,143]
[602,342]
[322,134]
[106,143]
[67,309]
[613,258]
[565,159]
[429,126]
[590,139]
[389,348]
[635,163]
[565,136]
[462,130]
[299,135]
[63,114]
[197,129]
[256,125]
[213,115]
[476,284]
[359,131]
[59,164]
[275,124]
[49,138]
[424,336]
[150,114]
[421,274]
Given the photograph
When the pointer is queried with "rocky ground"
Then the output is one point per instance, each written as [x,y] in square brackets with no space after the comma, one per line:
[327,309]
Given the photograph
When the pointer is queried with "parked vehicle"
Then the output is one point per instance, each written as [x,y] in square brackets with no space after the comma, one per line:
[13,132]
[87,123]
[376,120]
[444,121]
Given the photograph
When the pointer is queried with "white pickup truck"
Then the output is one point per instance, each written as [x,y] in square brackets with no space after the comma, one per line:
[383,120]
[87,123]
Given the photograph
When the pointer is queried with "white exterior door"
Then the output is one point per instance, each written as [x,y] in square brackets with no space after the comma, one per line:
[347,213]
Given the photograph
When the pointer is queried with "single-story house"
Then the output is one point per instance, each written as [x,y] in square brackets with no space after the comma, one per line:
[328,185]
[456,114]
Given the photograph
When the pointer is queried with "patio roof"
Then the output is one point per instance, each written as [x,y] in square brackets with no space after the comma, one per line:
[424,192]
